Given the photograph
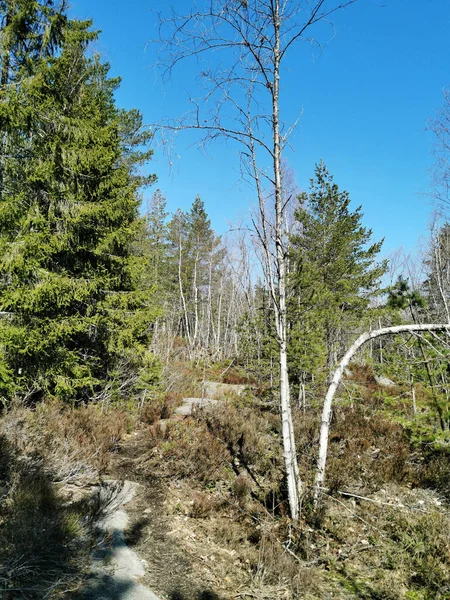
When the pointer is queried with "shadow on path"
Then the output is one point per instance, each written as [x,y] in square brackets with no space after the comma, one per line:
[206,595]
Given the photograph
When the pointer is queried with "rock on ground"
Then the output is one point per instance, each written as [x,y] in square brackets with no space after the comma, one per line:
[384,381]
[190,403]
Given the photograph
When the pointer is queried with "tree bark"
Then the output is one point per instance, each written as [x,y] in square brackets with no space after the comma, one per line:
[337,376]
[290,456]
[183,299]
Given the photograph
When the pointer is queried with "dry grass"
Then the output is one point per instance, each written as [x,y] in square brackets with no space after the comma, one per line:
[376,552]
[73,445]
[186,450]
[233,505]
[160,407]
[226,498]
[44,539]
[43,547]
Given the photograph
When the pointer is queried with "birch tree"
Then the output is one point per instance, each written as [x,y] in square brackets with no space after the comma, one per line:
[440,126]
[415,328]
[249,42]
[437,263]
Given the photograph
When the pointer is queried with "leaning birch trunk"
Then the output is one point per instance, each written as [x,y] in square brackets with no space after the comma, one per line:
[337,376]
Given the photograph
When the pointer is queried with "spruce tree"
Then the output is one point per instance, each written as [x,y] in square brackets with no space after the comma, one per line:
[29,30]
[156,240]
[76,323]
[334,276]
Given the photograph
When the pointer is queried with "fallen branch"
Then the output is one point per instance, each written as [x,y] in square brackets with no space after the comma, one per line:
[374,501]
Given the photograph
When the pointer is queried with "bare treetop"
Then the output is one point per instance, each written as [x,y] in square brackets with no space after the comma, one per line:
[255,30]
[239,46]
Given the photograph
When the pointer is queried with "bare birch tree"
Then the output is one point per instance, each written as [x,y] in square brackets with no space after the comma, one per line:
[440,126]
[415,328]
[248,42]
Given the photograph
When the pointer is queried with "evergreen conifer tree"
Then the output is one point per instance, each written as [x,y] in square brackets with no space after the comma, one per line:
[195,255]
[76,322]
[334,276]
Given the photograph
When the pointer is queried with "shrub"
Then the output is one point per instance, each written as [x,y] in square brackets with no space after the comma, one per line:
[72,444]
[42,543]
[160,408]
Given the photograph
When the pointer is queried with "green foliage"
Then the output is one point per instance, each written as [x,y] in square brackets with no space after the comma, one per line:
[30,29]
[401,297]
[155,242]
[69,201]
[334,276]
[422,358]
[257,341]
[195,268]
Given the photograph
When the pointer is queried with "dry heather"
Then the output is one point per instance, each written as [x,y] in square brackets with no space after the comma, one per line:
[45,537]
[212,521]
[226,502]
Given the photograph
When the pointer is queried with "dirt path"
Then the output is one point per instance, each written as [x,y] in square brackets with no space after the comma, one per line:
[142,553]
[117,570]
[167,569]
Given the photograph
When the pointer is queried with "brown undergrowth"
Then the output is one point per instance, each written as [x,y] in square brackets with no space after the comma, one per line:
[45,536]
[213,516]
[378,523]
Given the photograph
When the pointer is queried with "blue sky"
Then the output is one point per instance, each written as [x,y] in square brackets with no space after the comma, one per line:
[365,102]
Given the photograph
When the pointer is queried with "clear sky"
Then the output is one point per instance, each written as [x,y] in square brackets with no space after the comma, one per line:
[365,102]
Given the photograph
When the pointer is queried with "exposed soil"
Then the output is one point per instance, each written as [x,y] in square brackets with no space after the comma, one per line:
[170,571]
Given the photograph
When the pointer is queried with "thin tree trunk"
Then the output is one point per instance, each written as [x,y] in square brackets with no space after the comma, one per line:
[195,291]
[426,361]
[219,317]
[413,393]
[183,299]
[439,270]
[381,343]
[209,307]
[302,393]
[6,58]
[294,483]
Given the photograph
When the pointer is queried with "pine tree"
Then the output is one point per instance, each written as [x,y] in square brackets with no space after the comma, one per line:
[257,346]
[334,276]
[77,322]
[203,247]
[424,362]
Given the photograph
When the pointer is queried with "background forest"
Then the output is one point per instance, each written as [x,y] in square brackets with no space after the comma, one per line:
[114,310]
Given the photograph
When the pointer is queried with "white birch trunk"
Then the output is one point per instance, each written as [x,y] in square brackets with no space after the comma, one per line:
[439,275]
[195,292]
[209,307]
[219,319]
[290,456]
[413,393]
[336,379]
[183,299]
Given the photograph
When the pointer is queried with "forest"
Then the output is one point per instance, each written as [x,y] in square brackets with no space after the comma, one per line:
[277,397]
